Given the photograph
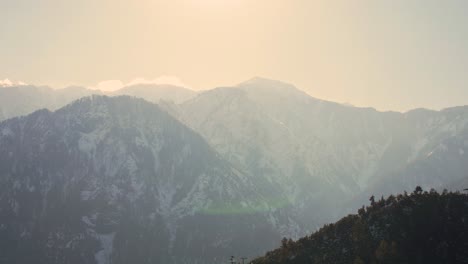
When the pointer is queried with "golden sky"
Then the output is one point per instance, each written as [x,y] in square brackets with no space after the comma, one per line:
[395,54]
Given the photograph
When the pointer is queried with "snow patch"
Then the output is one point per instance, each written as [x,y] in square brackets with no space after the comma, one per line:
[104,255]
[24,234]
[87,144]
[7,132]
[86,195]
[114,192]
[87,221]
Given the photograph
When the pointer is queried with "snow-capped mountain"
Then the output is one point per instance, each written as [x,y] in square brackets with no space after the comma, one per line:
[324,153]
[260,160]
[118,180]
[278,133]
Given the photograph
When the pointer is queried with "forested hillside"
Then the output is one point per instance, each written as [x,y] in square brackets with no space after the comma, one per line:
[421,227]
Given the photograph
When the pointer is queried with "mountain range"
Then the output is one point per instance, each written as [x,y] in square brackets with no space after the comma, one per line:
[194,177]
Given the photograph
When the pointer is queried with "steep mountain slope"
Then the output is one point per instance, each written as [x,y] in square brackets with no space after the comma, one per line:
[155,93]
[434,159]
[350,139]
[417,228]
[294,141]
[244,135]
[383,152]
[118,180]
[323,153]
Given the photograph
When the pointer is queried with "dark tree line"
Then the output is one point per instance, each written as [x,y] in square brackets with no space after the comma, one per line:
[421,227]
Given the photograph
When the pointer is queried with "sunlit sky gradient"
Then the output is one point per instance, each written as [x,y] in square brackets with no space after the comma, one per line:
[394,54]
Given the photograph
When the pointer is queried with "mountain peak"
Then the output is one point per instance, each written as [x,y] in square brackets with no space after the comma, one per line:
[265,88]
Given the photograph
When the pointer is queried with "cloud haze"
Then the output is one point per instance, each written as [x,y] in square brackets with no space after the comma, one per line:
[8,83]
[114,85]
[392,55]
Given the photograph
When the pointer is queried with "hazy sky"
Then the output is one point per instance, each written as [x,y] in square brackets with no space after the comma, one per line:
[394,54]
